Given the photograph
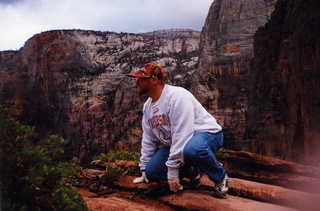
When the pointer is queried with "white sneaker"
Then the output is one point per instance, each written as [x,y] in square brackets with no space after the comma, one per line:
[220,189]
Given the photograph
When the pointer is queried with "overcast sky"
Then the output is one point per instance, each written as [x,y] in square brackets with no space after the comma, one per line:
[21,19]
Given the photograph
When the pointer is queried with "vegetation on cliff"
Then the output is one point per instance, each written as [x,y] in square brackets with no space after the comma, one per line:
[32,177]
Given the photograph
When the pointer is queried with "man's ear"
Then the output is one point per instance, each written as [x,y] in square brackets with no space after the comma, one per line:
[154,80]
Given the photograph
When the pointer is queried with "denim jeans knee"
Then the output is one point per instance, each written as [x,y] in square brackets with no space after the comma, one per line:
[200,152]
[156,170]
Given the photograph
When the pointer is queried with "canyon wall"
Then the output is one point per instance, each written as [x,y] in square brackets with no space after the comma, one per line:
[254,69]
[72,83]
[222,80]
[284,105]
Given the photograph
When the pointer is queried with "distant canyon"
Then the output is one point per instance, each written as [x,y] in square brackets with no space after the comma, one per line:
[254,66]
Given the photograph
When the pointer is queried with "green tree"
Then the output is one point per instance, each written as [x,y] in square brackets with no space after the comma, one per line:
[30,176]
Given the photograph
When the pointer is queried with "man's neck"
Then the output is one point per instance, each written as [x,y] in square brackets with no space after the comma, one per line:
[157,93]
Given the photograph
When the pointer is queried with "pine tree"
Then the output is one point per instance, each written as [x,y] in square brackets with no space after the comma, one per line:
[30,176]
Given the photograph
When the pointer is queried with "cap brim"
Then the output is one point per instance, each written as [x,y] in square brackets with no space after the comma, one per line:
[138,74]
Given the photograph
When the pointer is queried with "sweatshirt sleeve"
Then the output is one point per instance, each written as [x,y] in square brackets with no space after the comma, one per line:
[182,128]
[149,144]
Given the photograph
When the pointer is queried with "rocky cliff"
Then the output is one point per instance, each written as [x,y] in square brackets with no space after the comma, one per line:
[72,83]
[284,110]
[262,87]
[221,81]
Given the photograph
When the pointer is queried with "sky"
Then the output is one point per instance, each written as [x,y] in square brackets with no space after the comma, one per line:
[21,19]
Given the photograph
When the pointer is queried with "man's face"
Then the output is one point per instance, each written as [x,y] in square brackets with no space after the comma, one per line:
[143,85]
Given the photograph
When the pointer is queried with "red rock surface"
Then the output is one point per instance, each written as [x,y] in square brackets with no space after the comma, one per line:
[244,194]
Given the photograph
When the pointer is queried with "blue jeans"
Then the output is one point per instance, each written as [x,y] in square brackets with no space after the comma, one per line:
[198,152]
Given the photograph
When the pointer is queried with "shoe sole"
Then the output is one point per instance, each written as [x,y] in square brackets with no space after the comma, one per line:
[220,195]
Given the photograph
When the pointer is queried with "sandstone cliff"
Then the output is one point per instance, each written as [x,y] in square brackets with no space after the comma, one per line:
[72,83]
[283,116]
[221,81]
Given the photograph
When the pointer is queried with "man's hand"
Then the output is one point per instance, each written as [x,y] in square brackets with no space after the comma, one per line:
[174,184]
[141,179]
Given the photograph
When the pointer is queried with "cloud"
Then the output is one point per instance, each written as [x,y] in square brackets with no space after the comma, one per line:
[10,2]
[21,19]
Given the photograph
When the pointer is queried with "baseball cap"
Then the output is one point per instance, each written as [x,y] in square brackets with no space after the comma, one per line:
[150,70]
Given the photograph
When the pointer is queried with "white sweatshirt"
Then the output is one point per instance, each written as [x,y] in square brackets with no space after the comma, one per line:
[172,121]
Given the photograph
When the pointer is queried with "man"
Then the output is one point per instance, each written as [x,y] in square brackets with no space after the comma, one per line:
[178,134]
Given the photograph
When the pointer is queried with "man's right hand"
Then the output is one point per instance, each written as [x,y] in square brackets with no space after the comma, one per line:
[174,184]
[141,179]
